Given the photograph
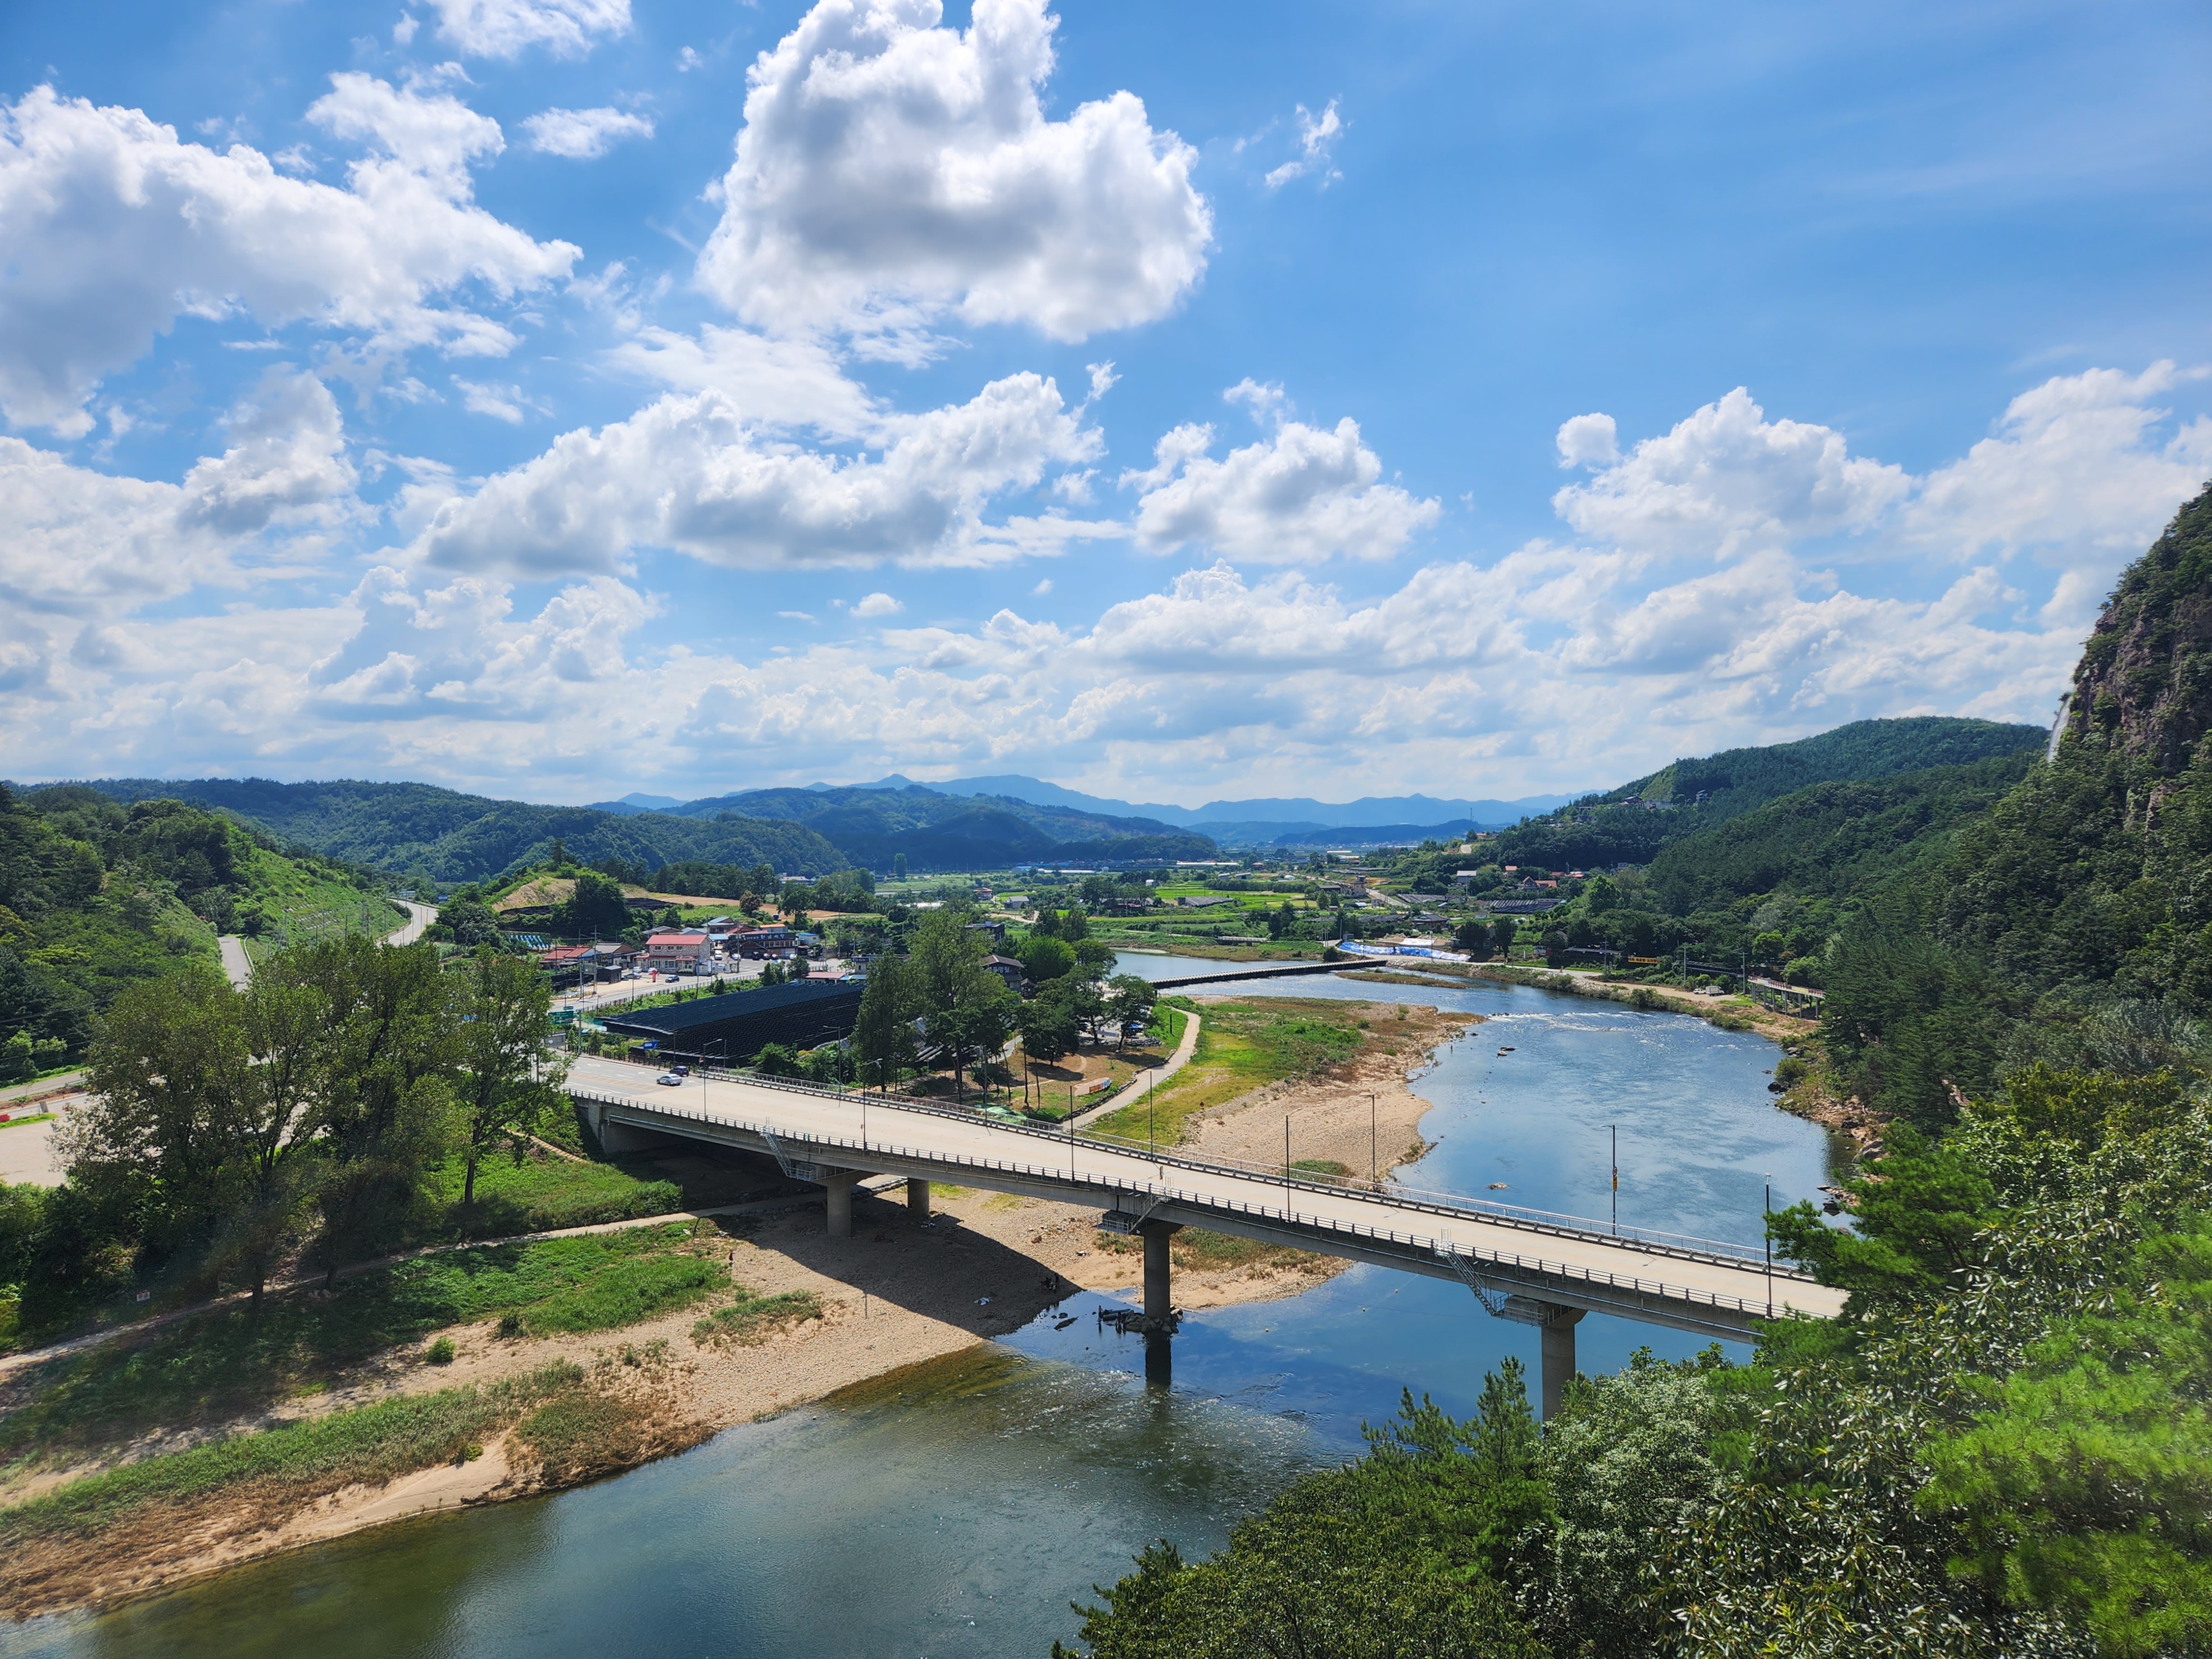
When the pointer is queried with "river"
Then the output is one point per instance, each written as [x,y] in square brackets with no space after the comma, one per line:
[959,1509]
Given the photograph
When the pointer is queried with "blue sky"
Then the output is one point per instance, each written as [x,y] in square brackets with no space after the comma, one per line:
[562,397]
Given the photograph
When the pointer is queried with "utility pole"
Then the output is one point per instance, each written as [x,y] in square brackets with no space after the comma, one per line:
[1287,1162]
[1766,1226]
[1374,1145]
[1616,1179]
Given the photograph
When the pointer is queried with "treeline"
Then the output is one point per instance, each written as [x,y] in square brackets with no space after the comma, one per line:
[226,1131]
[1998,1451]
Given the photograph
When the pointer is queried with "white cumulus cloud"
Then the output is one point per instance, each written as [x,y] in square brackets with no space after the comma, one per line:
[134,229]
[79,539]
[584,134]
[689,473]
[1725,479]
[1303,493]
[508,28]
[891,170]
[1588,440]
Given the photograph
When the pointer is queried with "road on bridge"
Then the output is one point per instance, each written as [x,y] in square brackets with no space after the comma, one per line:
[1545,1271]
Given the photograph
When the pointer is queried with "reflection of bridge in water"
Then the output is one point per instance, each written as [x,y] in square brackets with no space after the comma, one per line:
[1542,1270]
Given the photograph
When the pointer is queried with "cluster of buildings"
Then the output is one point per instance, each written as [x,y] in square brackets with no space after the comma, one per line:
[707,949]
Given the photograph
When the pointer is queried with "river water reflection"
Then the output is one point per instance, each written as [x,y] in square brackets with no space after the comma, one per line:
[959,1509]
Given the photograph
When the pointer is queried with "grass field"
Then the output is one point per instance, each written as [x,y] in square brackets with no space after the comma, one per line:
[539,1193]
[1241,1046]
[229,1363]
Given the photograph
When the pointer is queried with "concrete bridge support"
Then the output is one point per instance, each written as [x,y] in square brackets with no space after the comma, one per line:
[1159,1302]
[917,1199]
[839,1185]
[1559,1340]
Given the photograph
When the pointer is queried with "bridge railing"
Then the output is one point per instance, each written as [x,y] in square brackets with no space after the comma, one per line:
[1440,1248]
[1058,1174]
[1393,1193]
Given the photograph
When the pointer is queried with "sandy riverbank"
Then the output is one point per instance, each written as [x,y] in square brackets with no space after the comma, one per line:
[1331,1118]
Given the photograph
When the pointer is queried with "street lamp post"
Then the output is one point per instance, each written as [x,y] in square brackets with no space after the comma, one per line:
[1766,1226]
[1374,1145]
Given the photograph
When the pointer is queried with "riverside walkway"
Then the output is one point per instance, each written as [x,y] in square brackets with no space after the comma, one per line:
[1542,1270]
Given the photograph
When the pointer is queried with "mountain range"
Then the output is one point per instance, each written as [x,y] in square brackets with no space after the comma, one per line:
[1284,822]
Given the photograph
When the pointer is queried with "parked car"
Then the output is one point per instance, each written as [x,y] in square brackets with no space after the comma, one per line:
[681,1071]
[668,1078]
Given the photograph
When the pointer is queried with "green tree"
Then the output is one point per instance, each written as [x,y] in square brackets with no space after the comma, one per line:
[202,1131]
[2083,1483]
[1048,1028]
[1129,997]
[595,909]
[386,1094]
[466,921]
[898,866]
[883,1031]
[1045,957]
[509,1078]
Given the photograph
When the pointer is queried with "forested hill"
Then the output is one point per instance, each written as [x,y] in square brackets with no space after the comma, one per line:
[420,829]
[96,896]
[1631,824]
[2073,920]
[941,832]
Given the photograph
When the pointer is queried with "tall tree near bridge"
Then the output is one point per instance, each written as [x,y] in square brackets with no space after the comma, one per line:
[883,1032]
[509,1079]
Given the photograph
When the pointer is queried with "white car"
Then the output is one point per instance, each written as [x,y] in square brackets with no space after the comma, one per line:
[670,1078]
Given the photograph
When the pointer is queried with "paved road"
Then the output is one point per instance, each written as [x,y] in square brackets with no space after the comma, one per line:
[1642,1280]
[1157,1075]
[419,917]
[237,966]
[27,1154]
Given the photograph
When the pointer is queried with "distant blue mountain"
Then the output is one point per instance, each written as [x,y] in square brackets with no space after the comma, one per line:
[636,802]
[1289,815]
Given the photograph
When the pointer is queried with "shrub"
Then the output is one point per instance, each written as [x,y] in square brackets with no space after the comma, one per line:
[440,1353]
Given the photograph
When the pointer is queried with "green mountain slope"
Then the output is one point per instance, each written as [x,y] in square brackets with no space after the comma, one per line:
[1830,840]
[96,896]
[451,836]
[940,831]
[1631,824]
[2073,920]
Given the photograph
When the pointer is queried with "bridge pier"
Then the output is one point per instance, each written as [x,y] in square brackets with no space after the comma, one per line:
[1559,1342]
[1159,1304]
[917,1199]
[839,1184]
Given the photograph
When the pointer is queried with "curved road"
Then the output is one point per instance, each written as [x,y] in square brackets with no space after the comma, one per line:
[238,967]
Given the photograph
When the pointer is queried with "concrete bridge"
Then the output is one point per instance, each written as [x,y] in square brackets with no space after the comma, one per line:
[1541,1270]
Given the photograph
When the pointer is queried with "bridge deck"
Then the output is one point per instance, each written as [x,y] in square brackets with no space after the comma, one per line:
[1691,1285]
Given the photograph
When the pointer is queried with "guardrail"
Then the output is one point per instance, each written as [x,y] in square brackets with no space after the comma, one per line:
[1416,1245]
[1685,1246]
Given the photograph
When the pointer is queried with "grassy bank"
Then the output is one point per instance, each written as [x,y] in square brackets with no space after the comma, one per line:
[230,1363]
[1242,1046]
